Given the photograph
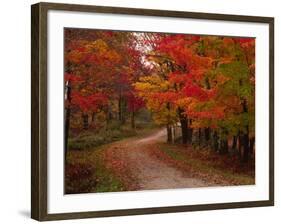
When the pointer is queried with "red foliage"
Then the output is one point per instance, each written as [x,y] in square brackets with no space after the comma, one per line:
[72,78]
[164,97]
[135,103]
[245,42]
[178,78]
[210,114]
[90,102]
[109,33]
[192,90]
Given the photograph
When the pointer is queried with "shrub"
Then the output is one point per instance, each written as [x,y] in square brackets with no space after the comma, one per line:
[79,178]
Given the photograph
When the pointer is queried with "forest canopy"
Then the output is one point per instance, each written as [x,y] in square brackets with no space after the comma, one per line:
[205,85]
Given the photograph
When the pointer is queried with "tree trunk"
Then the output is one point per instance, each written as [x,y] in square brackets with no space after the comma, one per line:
[199,136]
[174,134]
[67,122]
[67,119]
[85,121]
[189,131]
[133,124]
[234,143]
[246,149]
[124,106]
[224,146]
[216,141]
[245,137]
[108,113]
[169,134]
[252,143]
[184,130]
[240,144]
[121,108]
[207,134]
[207,130]
[184,126]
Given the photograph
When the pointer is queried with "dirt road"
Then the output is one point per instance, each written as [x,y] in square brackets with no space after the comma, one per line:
[150,172]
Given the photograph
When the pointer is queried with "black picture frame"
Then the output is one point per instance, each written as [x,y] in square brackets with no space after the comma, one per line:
[39,110]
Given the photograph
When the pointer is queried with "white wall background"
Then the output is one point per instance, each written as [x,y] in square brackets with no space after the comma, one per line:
[15,111]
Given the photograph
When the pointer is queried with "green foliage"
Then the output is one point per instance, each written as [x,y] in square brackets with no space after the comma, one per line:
[235,70]
[238,84]
[91,139]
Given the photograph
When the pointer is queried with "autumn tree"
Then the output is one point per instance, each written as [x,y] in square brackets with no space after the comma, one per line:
[204,83]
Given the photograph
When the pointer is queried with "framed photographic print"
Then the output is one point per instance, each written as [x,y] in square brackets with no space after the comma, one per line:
[138,111]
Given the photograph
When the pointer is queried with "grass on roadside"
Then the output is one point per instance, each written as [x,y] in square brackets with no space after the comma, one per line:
[86,169]
[86,172]
[93,138]
[210,165]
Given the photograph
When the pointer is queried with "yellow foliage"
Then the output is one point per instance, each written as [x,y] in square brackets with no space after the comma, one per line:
[149,86]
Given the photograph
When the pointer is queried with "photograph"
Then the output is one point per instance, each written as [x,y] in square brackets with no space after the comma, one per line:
[151,110]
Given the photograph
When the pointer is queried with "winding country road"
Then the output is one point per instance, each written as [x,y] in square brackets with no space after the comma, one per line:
[149,171]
